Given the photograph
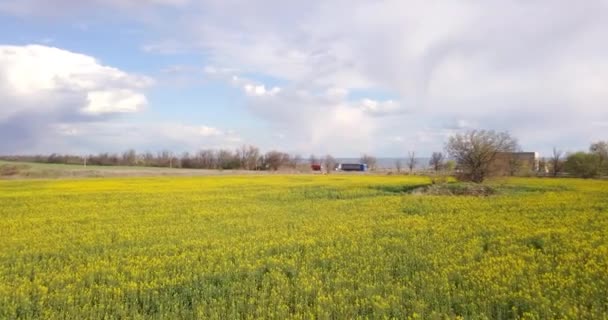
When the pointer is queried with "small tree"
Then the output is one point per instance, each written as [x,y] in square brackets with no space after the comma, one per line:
[436,161]
[582,165]
[556,162]
[330,163]
[398,165]
[411,161]
[474,151]
[369,160]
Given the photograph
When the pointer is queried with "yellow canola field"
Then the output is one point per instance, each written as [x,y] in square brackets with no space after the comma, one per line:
[301,247]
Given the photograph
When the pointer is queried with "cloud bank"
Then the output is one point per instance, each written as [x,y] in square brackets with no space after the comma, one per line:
[365,76]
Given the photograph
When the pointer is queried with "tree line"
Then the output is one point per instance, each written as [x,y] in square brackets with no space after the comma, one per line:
[469,156]
[244,158]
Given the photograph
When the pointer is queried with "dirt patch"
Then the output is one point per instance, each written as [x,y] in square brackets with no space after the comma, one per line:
[9,170]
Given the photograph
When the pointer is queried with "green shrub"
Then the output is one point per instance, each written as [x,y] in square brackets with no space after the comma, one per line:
[582,165]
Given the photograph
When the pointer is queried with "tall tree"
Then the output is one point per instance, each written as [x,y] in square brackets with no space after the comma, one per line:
[275,160]
[248,156]
[129,158]
[411,161]
[475,150]
[436,161]
[329,163]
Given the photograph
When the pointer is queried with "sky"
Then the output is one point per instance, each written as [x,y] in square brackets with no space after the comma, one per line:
[384,77]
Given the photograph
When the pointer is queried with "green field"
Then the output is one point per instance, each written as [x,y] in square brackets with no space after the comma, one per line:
[301,247]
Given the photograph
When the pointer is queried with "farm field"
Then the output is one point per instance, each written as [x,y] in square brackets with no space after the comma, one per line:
[301,247]
[30,170]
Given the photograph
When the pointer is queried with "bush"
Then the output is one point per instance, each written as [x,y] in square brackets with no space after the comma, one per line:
[457,189]
[439,179]
[582,165]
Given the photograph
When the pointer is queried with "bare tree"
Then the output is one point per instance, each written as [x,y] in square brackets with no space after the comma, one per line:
[557,162]
[398,165]
[411,161]
[274,160]
[436,161]
[165,159]
[227,160]
[474,151]
[248,157]
[186,160]
[129,158]
[371,161]
[206,159]
[148,159]
[329,163]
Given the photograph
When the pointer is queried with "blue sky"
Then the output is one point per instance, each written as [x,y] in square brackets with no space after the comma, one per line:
[341,77]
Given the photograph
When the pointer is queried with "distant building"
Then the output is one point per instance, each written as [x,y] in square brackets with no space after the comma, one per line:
[512,163]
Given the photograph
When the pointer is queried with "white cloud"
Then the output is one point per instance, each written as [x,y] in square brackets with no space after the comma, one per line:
[209,131]
[41,86]
[45,79]
[114,101]
[380,107]
[260,90]
[91,137]
[180,131]
[465,64]
[306,122]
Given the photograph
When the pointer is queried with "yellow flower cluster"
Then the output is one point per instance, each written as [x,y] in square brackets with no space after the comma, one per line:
[301,247]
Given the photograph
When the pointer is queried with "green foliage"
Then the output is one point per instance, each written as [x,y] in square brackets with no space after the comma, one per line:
[583,165]
[301,247]
[450,165]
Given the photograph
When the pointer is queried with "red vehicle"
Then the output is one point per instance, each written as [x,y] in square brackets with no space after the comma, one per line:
[315,167]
